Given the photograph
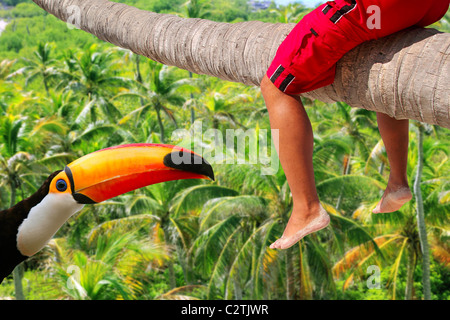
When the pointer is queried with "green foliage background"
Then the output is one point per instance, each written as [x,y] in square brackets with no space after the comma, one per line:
[64,93]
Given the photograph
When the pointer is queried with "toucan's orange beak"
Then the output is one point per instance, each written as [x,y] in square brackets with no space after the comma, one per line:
[107,173]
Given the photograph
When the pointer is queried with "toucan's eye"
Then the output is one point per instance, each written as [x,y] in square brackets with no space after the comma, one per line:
[61,185]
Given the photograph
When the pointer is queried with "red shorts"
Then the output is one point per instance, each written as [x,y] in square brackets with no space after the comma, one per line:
[306,60]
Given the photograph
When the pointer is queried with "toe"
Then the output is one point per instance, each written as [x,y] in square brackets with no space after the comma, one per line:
[377,209]
[276,244]
[287,243]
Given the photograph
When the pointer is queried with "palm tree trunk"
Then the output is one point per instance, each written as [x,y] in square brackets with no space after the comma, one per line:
[160,123]
[18,271]
[404,75]
[138,74]
[12,201]
[46,85]
[421,219]
[346,172]
[290,276]
[18,286]
[410,272]
[165,228]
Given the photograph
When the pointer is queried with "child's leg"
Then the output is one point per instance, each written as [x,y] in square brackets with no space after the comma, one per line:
[395,135]
[295,150]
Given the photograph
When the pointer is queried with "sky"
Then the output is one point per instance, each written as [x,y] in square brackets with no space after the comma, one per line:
[308,3]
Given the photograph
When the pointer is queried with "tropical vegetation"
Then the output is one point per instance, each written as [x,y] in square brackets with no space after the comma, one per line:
[64,93]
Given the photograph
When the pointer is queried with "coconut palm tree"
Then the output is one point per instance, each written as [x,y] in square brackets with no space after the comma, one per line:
[107,271]
[398,235]
[349,145]
[5,69]
[218,102]
[242,52]
[42,66]
[397,239]
[230,232]
[92,76]
[167,208]
[424,152]
[160,91]
[421,217]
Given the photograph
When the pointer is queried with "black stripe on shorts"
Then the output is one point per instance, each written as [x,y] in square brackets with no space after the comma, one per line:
[286,82]
[345,9]
[277,73]
[326,9]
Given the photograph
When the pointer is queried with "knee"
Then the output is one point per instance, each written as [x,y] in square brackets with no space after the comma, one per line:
[266,86]
[272,94]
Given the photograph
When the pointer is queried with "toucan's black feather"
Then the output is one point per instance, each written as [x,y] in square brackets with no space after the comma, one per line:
[190,162]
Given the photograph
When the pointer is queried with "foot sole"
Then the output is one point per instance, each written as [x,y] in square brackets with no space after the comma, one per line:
[319,223]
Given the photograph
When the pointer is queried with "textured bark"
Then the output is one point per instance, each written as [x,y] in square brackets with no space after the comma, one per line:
[410,267]
[405,75]
[421,225]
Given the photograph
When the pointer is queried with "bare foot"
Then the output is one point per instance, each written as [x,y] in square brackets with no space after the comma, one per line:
[300,225]
[393,199]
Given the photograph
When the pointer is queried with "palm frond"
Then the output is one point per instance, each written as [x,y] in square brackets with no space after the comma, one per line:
[441,254]
[249,265]
[179,293]
[359,255]
[220,208]
[126,223]
[395,268]
[319,264]
[354,232]
[194,197]
[207,247]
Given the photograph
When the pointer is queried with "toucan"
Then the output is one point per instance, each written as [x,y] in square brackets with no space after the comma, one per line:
[29,225]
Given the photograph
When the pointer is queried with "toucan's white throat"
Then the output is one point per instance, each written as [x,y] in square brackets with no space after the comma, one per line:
[44,220]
